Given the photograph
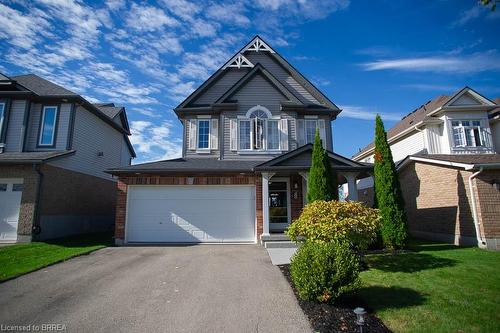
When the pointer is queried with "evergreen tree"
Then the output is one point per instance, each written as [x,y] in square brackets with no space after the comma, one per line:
[321,182]
[388,196]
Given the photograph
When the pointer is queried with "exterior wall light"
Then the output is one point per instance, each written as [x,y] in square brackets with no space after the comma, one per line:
[360,318]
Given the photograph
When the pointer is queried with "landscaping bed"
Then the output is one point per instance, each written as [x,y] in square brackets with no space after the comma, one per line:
[19,259]
[338,317]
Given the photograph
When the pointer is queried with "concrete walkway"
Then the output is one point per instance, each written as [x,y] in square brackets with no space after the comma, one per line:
[202,288]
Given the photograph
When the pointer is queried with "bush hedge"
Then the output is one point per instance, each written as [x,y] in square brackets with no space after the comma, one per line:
[325,221]
[324,271]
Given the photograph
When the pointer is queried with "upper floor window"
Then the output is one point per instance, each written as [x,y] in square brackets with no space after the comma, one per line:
[48,126]
[467,133]
[2,115]
[310,130]
[203,133]
[257,131]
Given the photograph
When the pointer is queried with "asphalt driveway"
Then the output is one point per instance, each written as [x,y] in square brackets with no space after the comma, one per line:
[205,288]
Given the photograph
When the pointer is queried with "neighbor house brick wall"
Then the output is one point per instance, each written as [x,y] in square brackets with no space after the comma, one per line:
[28,199]
[489,206]
[187,179]
[437,202]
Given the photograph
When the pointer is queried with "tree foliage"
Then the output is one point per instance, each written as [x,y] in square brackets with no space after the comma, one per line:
[321,181]
[388,194]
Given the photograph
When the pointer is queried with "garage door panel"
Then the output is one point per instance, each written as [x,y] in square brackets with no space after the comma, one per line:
[191,214]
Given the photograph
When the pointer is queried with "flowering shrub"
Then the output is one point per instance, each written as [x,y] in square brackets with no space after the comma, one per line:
[325,221]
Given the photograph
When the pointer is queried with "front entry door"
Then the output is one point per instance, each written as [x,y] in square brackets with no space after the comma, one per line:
[279,210]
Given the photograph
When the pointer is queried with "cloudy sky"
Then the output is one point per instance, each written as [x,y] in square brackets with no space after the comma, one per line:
[369,57]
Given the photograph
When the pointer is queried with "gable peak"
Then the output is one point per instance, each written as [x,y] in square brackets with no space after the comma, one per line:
[239,61]
[258,45]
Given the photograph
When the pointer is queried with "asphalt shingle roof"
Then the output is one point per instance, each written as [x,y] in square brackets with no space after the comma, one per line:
[41,86]
[32,157]
[110,111]
[191,164]
[464,158]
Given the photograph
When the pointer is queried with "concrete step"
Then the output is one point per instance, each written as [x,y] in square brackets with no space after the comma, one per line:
[279,244]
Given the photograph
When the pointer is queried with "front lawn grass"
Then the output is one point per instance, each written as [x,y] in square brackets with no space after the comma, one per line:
[20,259]
[434,288]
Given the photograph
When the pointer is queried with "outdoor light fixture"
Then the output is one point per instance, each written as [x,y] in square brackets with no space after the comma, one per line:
[360,318]
[495,185]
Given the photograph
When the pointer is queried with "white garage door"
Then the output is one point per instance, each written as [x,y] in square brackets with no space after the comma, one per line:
[191,214]
[11,191]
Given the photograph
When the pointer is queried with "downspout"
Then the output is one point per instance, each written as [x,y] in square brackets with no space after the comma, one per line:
[480,241]
[37,228]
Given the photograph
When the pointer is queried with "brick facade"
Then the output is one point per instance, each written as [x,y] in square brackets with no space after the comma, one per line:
[438,203]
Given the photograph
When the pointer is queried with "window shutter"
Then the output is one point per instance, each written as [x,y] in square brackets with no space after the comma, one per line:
[322,131]
[214,134]
[233,134]
[300,132]
[283,134]
[192,134]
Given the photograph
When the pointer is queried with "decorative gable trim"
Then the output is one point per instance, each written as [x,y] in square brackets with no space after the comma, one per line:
[258,45]
[238,61]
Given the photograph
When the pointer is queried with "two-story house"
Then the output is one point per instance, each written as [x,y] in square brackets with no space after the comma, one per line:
[54,148]
[446,153]
[246,153]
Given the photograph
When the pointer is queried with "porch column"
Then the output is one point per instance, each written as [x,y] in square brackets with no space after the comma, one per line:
[351,185]
[304,175]
[266,176]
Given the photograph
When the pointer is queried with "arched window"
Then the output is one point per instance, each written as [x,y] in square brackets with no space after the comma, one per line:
[258,131]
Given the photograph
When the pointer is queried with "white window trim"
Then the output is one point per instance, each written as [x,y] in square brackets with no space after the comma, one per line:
[2,116]
[247,116]
[239,134]
[306,120]
[463,134]
[198,149]
[53,137]
[279,134]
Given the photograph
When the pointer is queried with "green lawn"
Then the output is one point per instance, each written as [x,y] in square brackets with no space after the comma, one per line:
[20,259]
[436,288]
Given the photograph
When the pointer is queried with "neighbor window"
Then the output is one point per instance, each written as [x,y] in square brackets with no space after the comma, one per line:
[203,133]
[311,126]
[467,133]
[48,126]
[2,115]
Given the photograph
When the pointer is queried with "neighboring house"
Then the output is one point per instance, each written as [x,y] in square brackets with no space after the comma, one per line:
[54,148]
[246,153]
[446,153]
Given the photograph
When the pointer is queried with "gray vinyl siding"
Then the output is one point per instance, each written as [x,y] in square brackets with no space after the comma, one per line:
[14,140]
[63,125]
[222,85]
[282,75]
[91,136]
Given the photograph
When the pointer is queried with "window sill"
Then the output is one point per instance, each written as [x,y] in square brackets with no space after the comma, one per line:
[203,151]
[259,152]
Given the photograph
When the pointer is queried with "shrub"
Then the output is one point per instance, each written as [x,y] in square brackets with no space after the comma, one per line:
[322,184]
[388,194]
[324,221]
[324,271]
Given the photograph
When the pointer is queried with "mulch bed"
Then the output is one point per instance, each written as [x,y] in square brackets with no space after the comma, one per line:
[338,317]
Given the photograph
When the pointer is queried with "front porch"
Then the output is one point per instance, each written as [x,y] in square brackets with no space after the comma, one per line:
[284,188]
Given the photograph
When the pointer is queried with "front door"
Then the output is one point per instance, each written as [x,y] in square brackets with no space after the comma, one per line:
[279,200]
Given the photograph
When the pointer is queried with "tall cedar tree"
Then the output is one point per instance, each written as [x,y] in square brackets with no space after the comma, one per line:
[321,181]
[388,196]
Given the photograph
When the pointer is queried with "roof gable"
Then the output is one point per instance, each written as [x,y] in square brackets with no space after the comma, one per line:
[467,97]
[241,62]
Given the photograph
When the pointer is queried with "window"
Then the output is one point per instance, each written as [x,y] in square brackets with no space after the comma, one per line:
[467,133]
[203,133]
[2,115]
[273,134]
[48,126]
[310,128]
[245,141]
[3,187]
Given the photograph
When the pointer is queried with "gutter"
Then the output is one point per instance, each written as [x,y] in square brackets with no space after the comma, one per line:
[480,242]
[37,228]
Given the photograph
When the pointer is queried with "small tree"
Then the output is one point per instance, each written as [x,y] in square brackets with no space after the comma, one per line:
[321,181]
[389,198]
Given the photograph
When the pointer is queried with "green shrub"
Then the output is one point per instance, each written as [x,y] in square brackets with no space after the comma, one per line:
[322,183]
[324,271]
[324,221]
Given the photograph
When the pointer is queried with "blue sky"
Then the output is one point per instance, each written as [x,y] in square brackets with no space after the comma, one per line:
[369,57]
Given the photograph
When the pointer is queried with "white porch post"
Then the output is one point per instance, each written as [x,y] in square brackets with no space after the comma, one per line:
[304,175]
[265,202]
[351,185]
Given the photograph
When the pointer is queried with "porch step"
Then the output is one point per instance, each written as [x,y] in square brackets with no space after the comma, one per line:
[280,244]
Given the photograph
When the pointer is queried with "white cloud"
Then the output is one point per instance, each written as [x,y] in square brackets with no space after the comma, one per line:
[115,4]
[474,13]
[21,30]
[148,18]
[229,13]
[474,63]
[154,141]
[182,8]
[364,113]
[314,10]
